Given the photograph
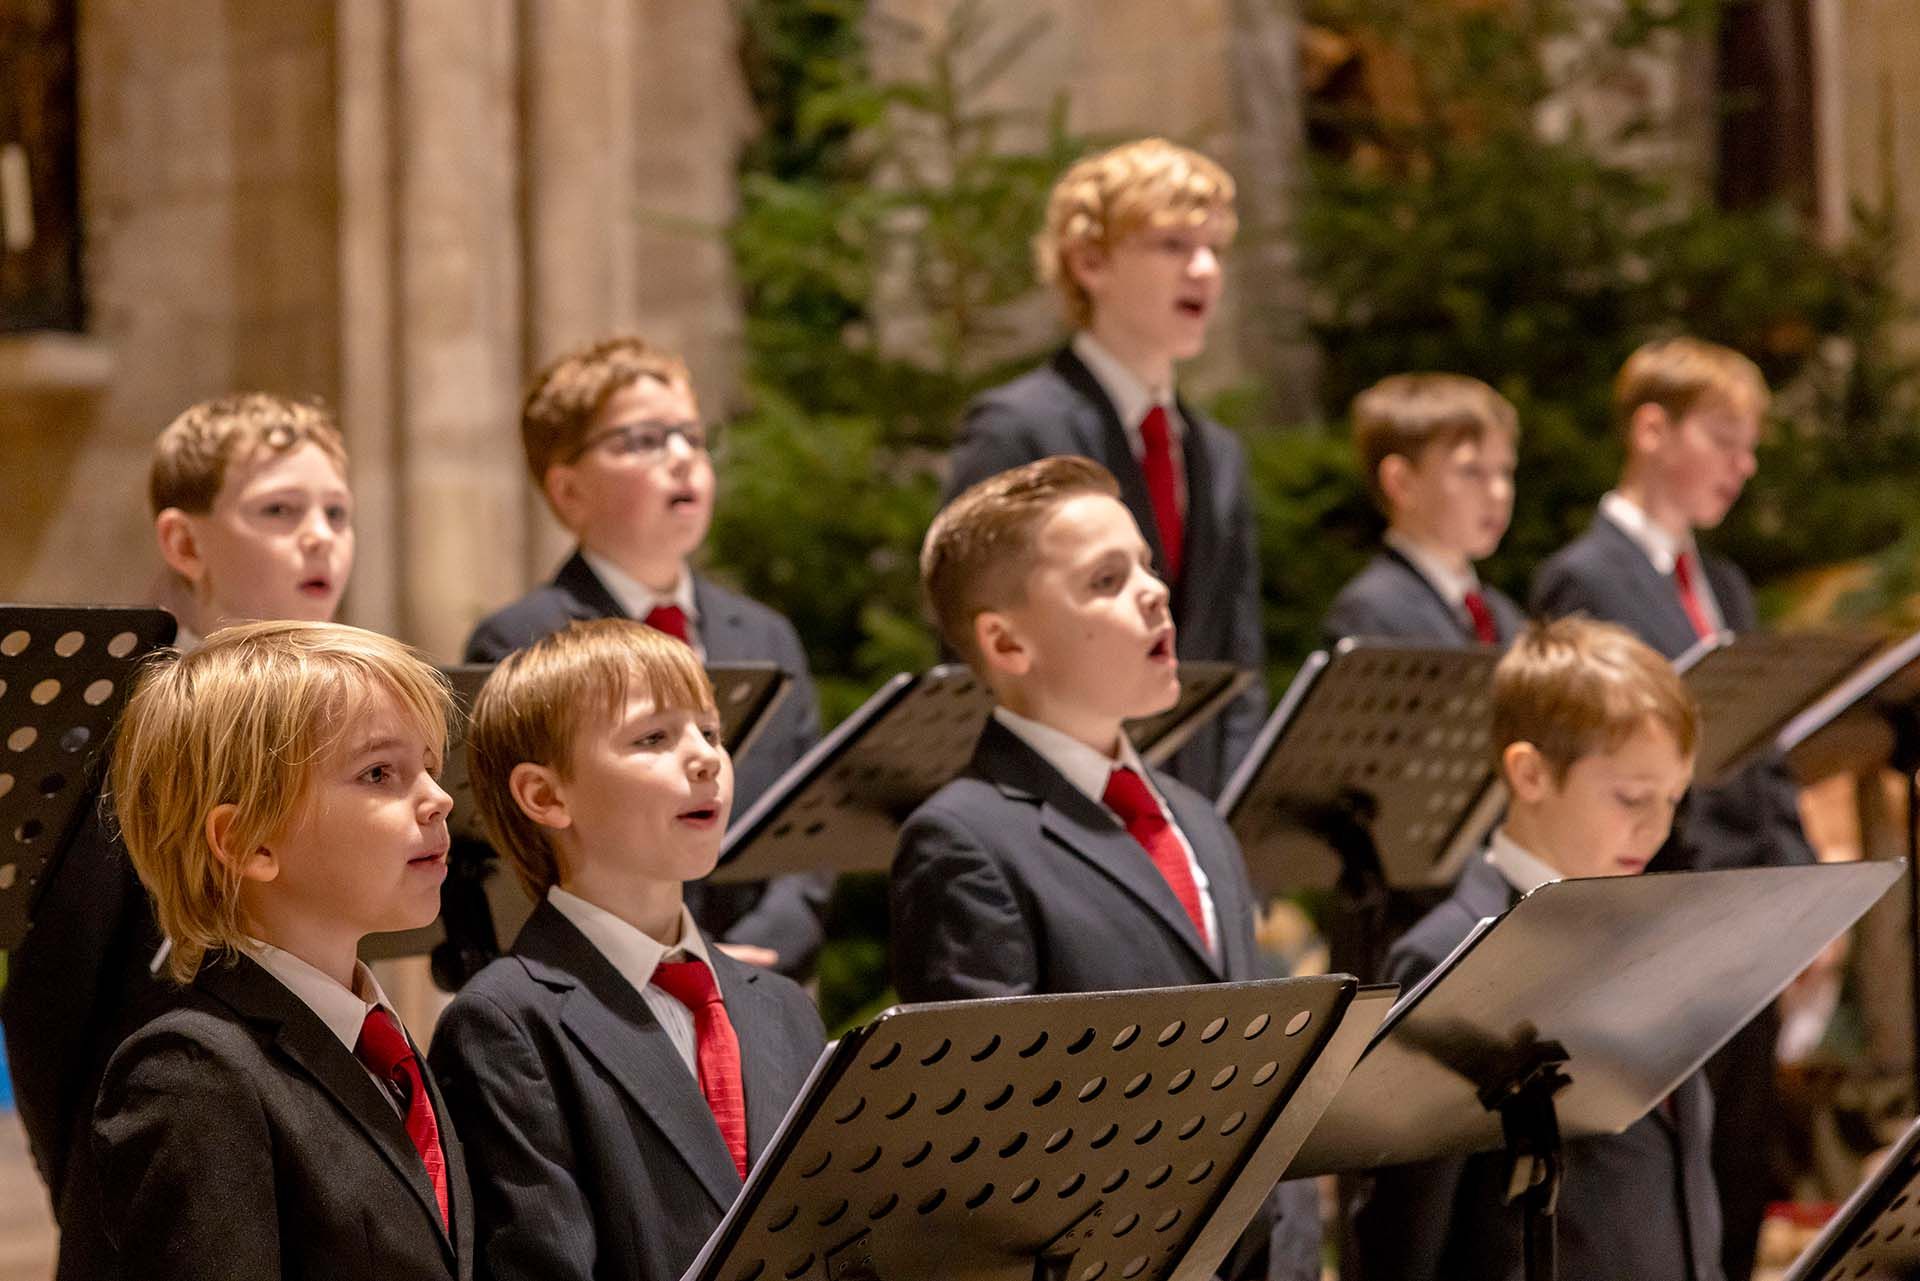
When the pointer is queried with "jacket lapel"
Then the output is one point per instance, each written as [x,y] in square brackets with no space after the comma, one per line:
[587,596]
[1086,830]
[1207,472]
[1233,911]
[303,1038]
[1098,429]
[1656,600]
[611,1023]
[761,1076]
[721,627]
[1429,594]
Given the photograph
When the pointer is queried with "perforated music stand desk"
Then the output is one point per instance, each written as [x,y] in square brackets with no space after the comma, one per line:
[1626,985]
[1382,740]
[65,674]
[841,806]
[1876,1234]
[1750,687]
[746,694]
[1113,1135]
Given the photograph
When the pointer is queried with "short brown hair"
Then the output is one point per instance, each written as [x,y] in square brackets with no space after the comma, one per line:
[537,701]
[246,719]
[1677,374]
[567,395]
[1105,197]
[1407,414]
[193,452]
[980,548]
[1574,687]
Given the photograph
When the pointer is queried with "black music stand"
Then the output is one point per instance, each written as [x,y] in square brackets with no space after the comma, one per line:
[65,674]
[1522,1039]
[1371,766]
[841,806]
[1752,686]
[1876,1234]
[1112,1135]
[479,907]
[1872,721]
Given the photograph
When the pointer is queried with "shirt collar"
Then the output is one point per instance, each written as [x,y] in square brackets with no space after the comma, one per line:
[635,597]
[1660,546]
[343,1010]
[1131,398]
[1079,764]
[630,950]
[1524,870]
[1452,585]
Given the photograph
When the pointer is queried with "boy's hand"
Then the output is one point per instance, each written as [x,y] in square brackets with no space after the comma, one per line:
[765,957]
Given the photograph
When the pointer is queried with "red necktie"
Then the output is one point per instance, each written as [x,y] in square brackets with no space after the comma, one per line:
[1689,597]
[670,619]
[1483,624]
[384,1049]
[1127,796]
[1156,461]
[717,1050]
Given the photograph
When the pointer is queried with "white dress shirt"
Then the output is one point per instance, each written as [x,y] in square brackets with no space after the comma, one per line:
[1524,870]
[1452,585]
[638,600]
[636,954]
[342,1009]
[1089,770]
[1131,400]
[1661,548]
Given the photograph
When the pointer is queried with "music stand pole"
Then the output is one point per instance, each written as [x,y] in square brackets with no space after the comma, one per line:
[1904,720]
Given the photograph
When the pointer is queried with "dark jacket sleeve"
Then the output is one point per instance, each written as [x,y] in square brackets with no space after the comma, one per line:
[957,927]
[1557,592]
[532,1219]
[186,1161]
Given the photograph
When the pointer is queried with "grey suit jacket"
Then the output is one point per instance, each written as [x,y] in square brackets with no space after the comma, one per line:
[1011,881]
[1637,1206]
[592,1149]
[786,914]
[1753,820]
[1391,599]
[1060,408]
[238,1138]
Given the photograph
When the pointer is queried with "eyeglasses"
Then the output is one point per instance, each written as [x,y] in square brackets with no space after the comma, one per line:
[644,442]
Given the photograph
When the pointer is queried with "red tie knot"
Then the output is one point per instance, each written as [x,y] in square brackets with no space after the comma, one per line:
[670,619]
[1155,431]
[689,982]
[382,1046]
[1128,796]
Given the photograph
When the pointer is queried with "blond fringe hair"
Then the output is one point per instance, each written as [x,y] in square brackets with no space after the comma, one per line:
[1678,374]
[538,701]
[1106,197]
[192,454]
[247,719]
[980,548]
[1574,687]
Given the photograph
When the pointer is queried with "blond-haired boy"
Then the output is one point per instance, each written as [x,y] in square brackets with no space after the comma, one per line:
[1133,247]
[615,1075]
[1689,414]
[1594,735]
[615,443]
[1437,453]
[1019,876]
[277,793]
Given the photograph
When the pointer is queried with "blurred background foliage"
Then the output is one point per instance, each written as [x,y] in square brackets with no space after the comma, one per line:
[883,248]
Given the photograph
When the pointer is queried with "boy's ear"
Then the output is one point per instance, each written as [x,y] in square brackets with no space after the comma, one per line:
[538,792]
[1529,776]
[561,485]
[1647,430]
[1000,643]
[251,865]
[1396,480]
[179,544]
[1086,263]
